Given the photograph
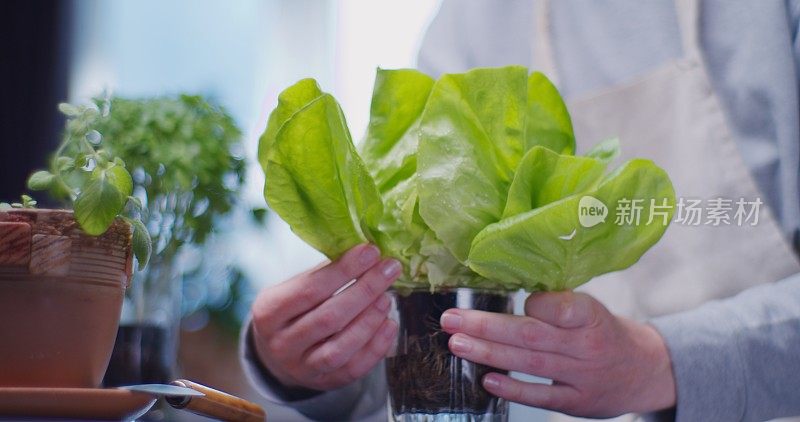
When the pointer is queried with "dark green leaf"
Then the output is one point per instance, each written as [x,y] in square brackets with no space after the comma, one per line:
[259,215]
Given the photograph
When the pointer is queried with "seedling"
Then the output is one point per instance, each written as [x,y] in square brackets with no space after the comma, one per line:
[91,180]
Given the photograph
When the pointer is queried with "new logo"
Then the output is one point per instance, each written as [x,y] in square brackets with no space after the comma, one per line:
[591,211]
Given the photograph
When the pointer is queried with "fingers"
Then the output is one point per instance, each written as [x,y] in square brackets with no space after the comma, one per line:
[520,331]
[366,358]
[338,311]
[339,349]
[563,309]
[307,290]
[552,397]
[502,356]
[321,283]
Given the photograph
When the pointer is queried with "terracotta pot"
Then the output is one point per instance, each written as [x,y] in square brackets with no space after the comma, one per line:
[61,295]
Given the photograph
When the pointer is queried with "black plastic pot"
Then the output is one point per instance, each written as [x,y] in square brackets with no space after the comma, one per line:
[426,381]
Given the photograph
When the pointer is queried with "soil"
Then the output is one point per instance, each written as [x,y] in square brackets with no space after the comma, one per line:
[423,376]
[39,242]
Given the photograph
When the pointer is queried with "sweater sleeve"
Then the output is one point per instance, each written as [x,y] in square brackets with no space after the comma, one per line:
[737,359]
[364,399]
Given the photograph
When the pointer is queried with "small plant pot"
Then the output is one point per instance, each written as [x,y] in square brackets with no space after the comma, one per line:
[426,381]
[60,298]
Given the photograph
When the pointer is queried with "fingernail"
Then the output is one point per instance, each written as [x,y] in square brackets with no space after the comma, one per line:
[369,255]
[460,344]
[383,303]
[450,321]
[391,269]
[490,381]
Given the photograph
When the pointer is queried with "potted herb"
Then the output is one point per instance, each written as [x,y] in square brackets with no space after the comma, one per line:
[471,181]
[183,155]
[63,273]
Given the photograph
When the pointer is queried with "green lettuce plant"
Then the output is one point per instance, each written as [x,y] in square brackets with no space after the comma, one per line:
[468,180]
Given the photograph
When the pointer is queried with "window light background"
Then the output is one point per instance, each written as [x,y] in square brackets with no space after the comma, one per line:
[242,54]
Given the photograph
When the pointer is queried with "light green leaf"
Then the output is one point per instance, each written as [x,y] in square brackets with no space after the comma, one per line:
[389,152]
[441,268]
[471,140]
[317,183]
[65,163]
[5,206]
[290,101]
[28,202]
[606,151]
[544,177]
[548,249]
[399,231]
[389,149]
[102,198]
[41,180]
[548,123]
[69,110]
[468,181]
[142,243]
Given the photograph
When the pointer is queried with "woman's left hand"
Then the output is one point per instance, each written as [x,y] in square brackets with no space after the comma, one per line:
[601,365]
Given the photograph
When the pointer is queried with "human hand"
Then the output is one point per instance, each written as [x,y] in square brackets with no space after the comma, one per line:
[308,337]
[601,365]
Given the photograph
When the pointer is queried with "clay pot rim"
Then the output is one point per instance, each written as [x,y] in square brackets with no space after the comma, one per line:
[82,258]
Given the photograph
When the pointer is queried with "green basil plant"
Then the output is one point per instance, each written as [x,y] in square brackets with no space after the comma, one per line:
[469,180]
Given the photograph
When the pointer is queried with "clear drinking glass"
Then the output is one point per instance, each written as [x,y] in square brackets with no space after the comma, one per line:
[145,351]
[426,381]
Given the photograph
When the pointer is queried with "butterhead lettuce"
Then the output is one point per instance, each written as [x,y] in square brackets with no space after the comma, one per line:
[468,180]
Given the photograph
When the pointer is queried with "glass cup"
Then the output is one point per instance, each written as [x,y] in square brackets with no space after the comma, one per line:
[427,382]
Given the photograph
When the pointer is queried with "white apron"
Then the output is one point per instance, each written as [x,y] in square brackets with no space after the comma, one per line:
[672,116]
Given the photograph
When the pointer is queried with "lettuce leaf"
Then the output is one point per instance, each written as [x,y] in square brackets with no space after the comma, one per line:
[544,177]
[469,180]
[390,147]
[476,128]
[548,121]
[471,140]
[547,248]
[314,178]
[290,101]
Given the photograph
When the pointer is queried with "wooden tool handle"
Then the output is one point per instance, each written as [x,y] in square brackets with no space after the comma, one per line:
[216,404]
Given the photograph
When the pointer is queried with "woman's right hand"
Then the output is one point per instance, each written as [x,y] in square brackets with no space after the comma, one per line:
[307,336]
